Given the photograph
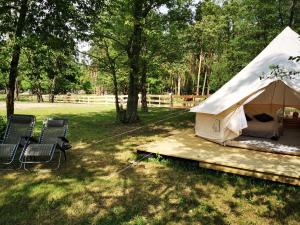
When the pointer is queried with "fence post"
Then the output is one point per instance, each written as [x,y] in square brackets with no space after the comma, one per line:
[159,100]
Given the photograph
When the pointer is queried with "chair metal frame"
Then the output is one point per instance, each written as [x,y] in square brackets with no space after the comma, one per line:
[24,139]
[23,159]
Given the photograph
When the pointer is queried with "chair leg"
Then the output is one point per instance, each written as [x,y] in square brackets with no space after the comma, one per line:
[20,166]
[59,160]
[65,155]
[25,164]
[24,161]
[9,166]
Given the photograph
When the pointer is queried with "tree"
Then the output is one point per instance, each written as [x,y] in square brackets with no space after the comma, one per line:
[125,26]
[53,22]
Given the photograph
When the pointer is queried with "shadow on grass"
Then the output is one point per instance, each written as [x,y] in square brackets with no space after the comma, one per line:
[86,190]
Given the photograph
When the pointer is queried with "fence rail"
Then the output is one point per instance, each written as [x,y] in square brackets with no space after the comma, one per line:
[173,101]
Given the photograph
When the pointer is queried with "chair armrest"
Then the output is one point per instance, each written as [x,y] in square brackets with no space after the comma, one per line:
[63,139]
[64,146]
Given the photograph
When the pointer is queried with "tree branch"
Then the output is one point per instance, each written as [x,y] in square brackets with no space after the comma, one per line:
[113,39]
[90,55]
[292,12]
[7,7]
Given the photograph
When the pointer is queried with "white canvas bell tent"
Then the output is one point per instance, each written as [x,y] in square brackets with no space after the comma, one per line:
[221,117]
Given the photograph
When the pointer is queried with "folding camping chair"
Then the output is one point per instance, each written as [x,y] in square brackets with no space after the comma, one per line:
[52,138]
[17,133]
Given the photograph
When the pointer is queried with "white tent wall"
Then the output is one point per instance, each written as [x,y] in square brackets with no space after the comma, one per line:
[221,117]
[275,97]
[214,129]
[230,123]
[224,126]
[278,93]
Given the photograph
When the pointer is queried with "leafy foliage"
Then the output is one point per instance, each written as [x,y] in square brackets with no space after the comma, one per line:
[159,46]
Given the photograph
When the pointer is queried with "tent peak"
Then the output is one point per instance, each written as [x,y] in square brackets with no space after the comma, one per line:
[288,29]
[248,81]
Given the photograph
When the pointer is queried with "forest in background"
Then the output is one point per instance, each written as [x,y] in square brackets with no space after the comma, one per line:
[136,46]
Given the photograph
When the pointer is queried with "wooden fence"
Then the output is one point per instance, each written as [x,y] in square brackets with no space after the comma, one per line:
[173,101]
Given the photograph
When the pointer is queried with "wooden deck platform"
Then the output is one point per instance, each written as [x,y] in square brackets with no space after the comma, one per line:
[264,165]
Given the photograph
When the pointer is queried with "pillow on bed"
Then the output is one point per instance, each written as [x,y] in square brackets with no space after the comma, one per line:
[263,117]
[248,118]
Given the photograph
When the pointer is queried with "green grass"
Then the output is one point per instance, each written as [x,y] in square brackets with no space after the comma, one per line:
[87,189]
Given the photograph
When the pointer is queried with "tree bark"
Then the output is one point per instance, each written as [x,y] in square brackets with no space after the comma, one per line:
[15,59]
[204,82]
[17,90]
[144,87]
[199,73]
[179,85]
[280,13]
[39,95]
[133,52]
[52,91]
[207,80]
[120,113]
[292,12]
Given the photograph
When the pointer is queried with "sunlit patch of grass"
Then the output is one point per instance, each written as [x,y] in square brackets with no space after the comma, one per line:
[90,189]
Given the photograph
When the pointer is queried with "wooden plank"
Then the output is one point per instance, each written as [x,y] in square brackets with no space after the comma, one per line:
[249,173]
[185,145]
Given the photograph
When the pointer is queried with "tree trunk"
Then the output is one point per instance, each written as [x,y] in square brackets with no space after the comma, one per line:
[199,74]
[39,95]
[204,82]
[17,90]
[52,91]
[179,85]
[292,12]
[133,52]
[15,59]
[207,82]
[144,87]
[280,13]
[120,113]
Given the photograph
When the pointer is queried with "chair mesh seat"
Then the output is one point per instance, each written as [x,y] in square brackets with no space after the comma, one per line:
[7,150]
[39,150]
[17,131]
[50,135]
[52,138]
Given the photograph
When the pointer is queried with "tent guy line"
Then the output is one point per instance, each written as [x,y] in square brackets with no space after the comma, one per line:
[147,125]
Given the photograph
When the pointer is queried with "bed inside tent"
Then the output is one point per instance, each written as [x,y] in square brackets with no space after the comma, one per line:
[273,122]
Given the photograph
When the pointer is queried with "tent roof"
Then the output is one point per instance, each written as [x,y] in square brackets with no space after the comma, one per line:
[248,81]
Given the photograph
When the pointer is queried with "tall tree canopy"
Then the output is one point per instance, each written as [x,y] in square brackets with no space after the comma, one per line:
[136,46]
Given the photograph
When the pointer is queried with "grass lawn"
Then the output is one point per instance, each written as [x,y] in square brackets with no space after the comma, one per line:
[87,189]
